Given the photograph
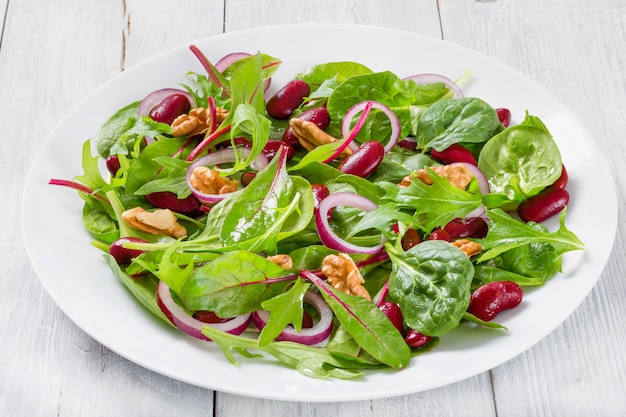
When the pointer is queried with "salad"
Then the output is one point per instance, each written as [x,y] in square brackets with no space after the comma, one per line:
[341,224]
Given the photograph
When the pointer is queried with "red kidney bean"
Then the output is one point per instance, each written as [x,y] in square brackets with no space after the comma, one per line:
[543,205]
[411,238]
[454,153]
[167,200]
[365,160]
[113,164]
[561,182]
[492,298]
[475,227]
[123,255]
[317,115]
[307,320]
[440,234]
[505,116]
[394,314]
[320,192]
[273,146]
[415,339]
[170,108]
[208,317]
[287,99]
[247,177]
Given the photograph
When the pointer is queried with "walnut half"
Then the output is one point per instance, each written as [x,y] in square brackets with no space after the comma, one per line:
[158,222]
[209,181]
[343,274]
[311,136]
[470,247]
[457,174]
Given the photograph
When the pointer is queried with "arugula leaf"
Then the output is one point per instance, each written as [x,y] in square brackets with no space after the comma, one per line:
[506,233]
[284,309]
[91,177]
[169,269]
[310,361]
[248,122]
[435,205]
[431,283]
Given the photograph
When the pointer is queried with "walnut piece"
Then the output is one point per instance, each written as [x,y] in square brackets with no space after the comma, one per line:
[284,261]
[458,175]
[343,274]
[209,181]
[470,248]
[310,136]
[157,222]
[196,122]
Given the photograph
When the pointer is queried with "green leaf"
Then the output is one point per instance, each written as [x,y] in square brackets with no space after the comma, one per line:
[431,283]
[235,283]
[284,309]
[115,127]
[248,122]
[520,161]
[369,326]
[435,205]
[506,233]
[310,361]
[172,178]
[467,119]
[91,177]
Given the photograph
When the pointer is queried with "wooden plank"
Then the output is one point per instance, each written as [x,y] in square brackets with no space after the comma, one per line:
[52,55]
[576,50]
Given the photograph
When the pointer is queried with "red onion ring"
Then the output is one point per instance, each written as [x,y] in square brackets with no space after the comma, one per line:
[422,79]
[220,157]
[318,334]
[229,59]
[154,98]
[325,232]
[188,324]
[358,108]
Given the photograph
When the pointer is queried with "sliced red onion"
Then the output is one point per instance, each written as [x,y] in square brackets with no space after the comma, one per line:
[229,59]
[325,232]
[359,107]
[316,335]
[154,98]
[219,157]
[422,79]
[191,326]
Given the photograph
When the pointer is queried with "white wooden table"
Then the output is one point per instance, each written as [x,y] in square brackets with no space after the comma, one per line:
[54,52]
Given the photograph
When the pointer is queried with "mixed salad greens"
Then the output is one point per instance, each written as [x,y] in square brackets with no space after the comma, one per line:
[219,279]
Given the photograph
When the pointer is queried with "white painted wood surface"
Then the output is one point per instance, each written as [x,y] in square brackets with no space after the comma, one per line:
[54,52]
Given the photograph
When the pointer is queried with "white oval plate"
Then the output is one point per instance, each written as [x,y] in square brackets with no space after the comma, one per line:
[77,278]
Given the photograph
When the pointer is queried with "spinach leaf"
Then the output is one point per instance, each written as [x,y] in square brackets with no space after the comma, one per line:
[99,223]
[506,233]
[467,119]
[338,71]
[369,326]
[435,205]
[117,125]
[520,161]
[431,283]
[342,345]
[384,87]
[235,283]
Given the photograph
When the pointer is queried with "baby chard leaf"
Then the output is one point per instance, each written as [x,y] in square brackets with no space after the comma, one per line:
[369,326]
[235,283]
